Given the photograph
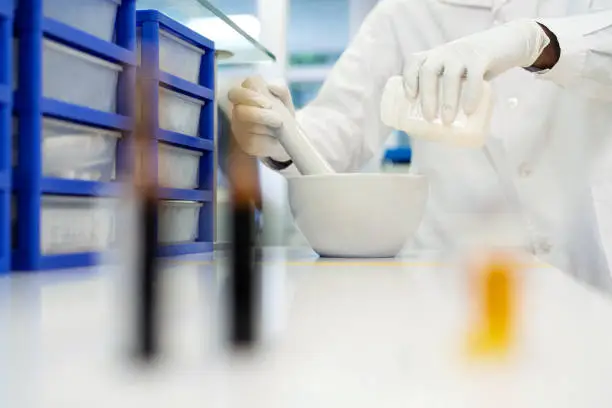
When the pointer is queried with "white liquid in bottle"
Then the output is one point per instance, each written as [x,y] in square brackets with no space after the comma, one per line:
[402,113]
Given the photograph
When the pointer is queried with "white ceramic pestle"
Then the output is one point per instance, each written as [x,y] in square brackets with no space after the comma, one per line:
[305,156]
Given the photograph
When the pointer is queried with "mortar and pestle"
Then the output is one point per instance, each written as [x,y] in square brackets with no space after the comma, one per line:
[346,215]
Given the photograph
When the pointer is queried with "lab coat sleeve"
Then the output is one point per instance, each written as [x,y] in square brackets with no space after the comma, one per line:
[585,65]
[343,121]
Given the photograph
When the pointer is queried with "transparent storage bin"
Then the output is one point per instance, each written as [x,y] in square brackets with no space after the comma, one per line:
[179,113]
[72,151]
[73,225]
[75,77]
[179,58]
[178,221]
[178,168]
[176,56]
[96,17]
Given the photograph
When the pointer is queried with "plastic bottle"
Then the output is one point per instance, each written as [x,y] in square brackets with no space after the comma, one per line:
[400,112]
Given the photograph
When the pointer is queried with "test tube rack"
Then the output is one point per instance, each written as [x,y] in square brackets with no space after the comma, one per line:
[31,27]
[6,102]
[151,79]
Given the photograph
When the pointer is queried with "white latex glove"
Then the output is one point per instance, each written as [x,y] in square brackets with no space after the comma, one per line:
[254,122]
[441,73]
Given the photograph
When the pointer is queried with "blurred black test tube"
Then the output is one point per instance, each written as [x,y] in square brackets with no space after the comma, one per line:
[148,286]
[147,276]
[243,279]
[244,276]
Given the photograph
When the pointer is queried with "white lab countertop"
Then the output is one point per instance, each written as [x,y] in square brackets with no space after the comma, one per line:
[340,333]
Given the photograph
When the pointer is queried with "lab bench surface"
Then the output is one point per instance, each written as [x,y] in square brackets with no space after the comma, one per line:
[338,333]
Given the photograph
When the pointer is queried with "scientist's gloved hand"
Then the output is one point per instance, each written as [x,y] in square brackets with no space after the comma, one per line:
[464,63]
[254,122]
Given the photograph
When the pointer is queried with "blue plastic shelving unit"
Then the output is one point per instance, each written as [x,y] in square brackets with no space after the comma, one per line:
[151,22]
[6,102]
[29,186]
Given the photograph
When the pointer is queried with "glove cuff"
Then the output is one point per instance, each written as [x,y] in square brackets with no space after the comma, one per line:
[276,165]
[536,42]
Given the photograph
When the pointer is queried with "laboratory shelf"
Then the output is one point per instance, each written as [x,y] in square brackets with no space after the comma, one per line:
[175,27]
[34,32]
[84,115]
[6,106]
[177,84]
[157,31]
[6,9]
[185,195]
[5,180]
[86,42]
[65,261]
[185,249]
[211,22]
[6,94]
[87,188]
[194,143]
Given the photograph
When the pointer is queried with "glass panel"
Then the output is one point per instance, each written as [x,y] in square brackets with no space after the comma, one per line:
[235,37]
[318,26]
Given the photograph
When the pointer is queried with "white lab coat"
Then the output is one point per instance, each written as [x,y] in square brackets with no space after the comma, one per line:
[545,134]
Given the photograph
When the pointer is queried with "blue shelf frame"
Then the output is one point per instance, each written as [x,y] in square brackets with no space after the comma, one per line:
[6,101]
[31,27]
[151,22]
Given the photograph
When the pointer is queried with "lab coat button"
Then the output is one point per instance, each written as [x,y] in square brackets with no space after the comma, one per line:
[525,170]
[513,103]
